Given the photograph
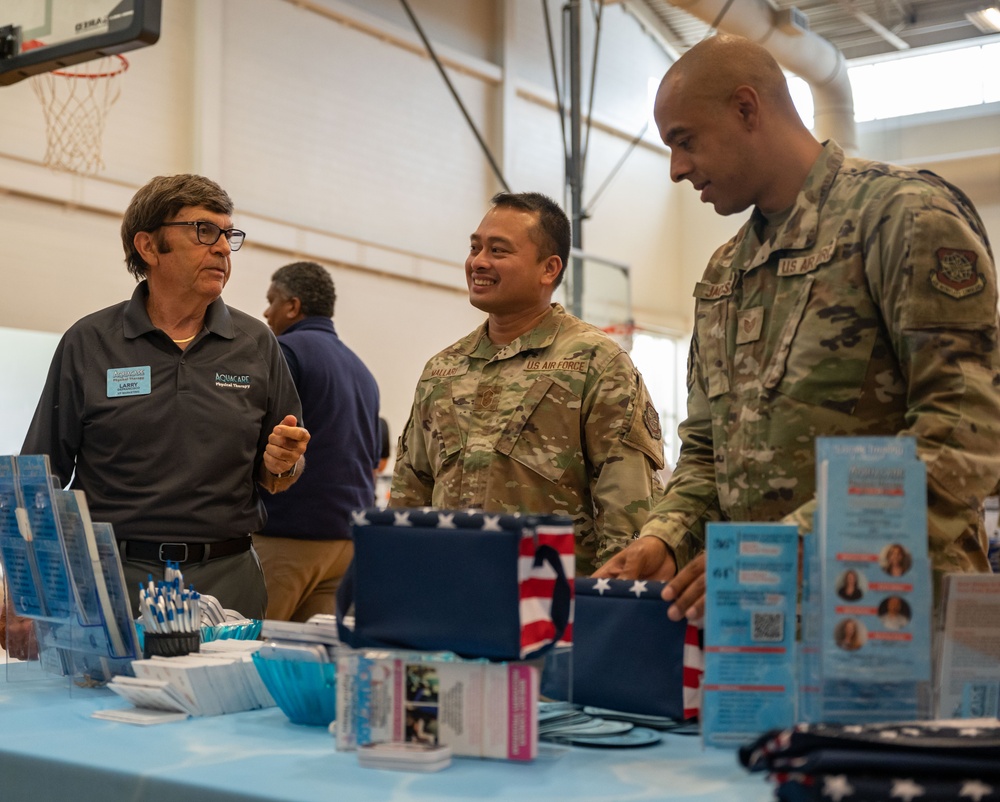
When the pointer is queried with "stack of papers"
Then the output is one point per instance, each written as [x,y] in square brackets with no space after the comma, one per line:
[320,629]
[222,679]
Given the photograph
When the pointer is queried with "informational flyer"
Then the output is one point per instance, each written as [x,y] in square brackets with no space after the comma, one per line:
[64,571]
[751,589]
[873,641]
[20,568]
[478,708]
[968,681]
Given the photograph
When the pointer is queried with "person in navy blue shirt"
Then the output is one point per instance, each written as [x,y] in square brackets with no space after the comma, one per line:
[306,545]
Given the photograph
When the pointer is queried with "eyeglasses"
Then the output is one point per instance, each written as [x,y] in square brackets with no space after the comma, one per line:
[209,233]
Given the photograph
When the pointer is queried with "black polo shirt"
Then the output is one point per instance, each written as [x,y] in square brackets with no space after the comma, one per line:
[165,443]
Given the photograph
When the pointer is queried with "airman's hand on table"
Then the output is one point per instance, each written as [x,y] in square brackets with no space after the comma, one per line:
[686,591]
[645,558]
[650,558]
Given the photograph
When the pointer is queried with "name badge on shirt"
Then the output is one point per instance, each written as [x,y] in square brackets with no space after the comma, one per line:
[124,382]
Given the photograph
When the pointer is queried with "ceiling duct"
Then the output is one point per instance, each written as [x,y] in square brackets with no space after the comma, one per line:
[787,38]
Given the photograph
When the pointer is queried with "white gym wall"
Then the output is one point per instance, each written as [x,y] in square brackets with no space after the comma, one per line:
[339,142]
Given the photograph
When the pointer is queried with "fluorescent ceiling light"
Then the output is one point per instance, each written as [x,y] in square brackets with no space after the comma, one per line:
[986,19]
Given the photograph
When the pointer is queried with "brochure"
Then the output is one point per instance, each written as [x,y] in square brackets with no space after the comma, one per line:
[64,571]
[870,583]
[35,484]
[20,569]
[968,679]
[478,708]
[751,592]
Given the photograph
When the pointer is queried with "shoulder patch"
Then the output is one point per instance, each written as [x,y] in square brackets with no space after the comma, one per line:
[652,420]
[955,273]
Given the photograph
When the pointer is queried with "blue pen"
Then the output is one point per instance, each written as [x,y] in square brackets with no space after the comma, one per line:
[147,618]
[161,614]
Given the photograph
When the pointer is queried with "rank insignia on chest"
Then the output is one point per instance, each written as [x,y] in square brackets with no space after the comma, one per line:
[749,323]
[652,420]
[488,398]
[956,273]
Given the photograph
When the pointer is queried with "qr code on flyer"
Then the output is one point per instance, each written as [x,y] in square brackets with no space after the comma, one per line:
[767,627]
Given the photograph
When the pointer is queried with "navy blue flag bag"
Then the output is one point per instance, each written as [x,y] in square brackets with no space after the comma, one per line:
[477,584]
[627,655]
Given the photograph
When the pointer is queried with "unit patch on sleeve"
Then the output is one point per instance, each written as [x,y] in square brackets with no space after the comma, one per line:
[956,273]
[652,420]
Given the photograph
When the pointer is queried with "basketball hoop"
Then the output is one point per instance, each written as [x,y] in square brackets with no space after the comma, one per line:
[76,101]
[621,333]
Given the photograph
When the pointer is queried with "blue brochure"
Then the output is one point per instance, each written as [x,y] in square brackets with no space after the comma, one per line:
[751,591]
[15,550]
[35,483]
[63,570]
[870,588]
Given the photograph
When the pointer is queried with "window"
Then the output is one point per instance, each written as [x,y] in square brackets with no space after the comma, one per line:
[946,79]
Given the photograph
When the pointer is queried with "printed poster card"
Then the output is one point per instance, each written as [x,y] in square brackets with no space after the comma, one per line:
[874,591]
[751,592]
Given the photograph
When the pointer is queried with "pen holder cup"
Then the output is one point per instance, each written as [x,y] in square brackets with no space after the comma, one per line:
[306,692]
[246,630]
[170,644]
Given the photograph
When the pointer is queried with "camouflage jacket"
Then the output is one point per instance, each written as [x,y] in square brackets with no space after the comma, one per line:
[870,310]
[558,421]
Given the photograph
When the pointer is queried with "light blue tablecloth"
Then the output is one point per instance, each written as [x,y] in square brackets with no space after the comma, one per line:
[51,749]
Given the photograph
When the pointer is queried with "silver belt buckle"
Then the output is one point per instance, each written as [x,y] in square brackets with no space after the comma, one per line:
[181,560]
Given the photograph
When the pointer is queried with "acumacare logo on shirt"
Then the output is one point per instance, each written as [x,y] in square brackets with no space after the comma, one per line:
[236,381]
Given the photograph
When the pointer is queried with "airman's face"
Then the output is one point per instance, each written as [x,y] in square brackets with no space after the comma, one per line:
[705,138]
[504,270]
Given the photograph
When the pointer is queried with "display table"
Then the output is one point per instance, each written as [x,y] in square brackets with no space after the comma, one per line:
[51,749]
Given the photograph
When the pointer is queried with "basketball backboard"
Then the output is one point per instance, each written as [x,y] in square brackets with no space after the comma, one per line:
[37,36]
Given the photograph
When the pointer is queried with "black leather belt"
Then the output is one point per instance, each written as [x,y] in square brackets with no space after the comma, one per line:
[182,553]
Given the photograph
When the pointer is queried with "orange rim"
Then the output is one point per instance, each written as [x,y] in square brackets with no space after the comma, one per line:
[122,64]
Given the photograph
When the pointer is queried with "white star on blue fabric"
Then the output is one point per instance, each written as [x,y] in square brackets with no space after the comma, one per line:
[906,789]
[889,735]
[446,520]
[491,523]
[973,789]
[602,585]
[837,787]
[401,519]
[359,518]
[638,587]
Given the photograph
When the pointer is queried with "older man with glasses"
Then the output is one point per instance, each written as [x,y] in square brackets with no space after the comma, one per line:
[171,409]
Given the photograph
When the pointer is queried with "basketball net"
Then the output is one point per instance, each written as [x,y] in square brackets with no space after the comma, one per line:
[621,333]
[76,101]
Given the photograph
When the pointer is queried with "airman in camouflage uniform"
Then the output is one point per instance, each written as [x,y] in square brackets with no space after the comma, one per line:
[869,307]
[557,420]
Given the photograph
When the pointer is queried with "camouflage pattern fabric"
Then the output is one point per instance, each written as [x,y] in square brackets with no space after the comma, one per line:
[870,309]
[558,421]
